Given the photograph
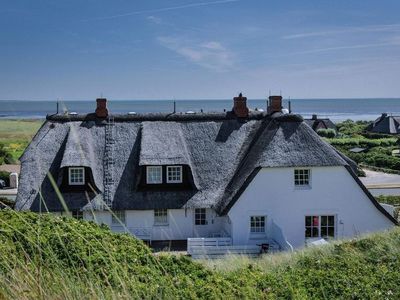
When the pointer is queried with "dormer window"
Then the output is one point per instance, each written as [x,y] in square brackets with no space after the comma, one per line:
[154,174]
[76,176]
[174,174]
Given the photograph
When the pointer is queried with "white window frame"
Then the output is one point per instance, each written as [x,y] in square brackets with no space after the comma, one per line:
[199,220]
[160,217]
[320,226]
[301,178]
[148,179]
[257,229]
[180,174]
[118,217]
[70,170]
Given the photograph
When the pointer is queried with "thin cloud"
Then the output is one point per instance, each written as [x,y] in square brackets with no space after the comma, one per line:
[138,12]
[360,46]
[210,55]
[375,28]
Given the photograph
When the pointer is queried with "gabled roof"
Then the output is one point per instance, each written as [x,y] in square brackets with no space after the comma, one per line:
[317,123]
[385,124]
[222,152]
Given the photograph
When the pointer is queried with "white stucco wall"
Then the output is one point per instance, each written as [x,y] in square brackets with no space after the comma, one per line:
[180,226]
[333,192]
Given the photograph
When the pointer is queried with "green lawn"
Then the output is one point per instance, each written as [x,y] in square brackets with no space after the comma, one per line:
[15,135]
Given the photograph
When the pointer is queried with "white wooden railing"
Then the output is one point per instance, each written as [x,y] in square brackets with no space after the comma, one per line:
[207,243]
[143,233]
[279,237]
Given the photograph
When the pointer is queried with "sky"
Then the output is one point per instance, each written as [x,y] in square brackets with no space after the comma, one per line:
[160,49]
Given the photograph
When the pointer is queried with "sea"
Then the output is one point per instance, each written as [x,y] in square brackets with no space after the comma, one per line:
[336,109]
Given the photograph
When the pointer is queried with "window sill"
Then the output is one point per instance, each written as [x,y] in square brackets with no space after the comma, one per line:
[257,236]
[161,224]
[302,187]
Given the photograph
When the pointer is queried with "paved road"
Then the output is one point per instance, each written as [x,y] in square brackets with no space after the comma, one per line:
[380,183]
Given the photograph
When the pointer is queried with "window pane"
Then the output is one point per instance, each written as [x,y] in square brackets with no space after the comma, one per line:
[324,231]
[76,176]
[331,231]
[118,217]
[315,232]
[331,220]
[324,220]
[200,216]
[257,224]
[174,174]
[315,221]
[308,232]
[154,174]
[308,221]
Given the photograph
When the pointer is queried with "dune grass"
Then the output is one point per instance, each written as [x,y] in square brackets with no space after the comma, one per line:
[49,257]
[15,135]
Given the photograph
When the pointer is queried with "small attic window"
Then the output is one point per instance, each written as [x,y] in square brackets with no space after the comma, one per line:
[76,176]
[154,174]
[302,177]
[174,174]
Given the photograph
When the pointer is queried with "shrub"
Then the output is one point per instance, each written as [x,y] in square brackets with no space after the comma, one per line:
[5,176]
[328,133]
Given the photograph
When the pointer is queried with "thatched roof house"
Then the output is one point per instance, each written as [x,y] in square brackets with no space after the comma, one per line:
[320,123]
[211,174]
[386,124]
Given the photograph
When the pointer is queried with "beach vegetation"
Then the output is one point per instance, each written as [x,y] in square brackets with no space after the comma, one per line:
[328,133]
[50,257]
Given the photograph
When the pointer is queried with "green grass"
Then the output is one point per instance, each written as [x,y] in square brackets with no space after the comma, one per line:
[58,258]
[16,135]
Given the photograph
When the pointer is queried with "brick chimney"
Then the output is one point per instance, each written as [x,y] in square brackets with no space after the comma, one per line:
[240,106]
[101,109]
[274,104]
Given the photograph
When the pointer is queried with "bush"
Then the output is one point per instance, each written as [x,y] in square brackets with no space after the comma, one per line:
[47,257]
[327,133]
[5,156]
[5,176]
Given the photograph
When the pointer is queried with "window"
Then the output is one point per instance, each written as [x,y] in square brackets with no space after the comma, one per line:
[320,226]
[118,217]
[154,174]
[200,216]
[174,174]
[257,224]
[301,177]
[160,217]
[76,176]
[77,214]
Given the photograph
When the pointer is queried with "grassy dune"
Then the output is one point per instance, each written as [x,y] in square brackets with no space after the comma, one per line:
[57,258]
[16,134]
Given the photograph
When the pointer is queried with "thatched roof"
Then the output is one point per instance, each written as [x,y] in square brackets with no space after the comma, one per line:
[386,124]
[222,152]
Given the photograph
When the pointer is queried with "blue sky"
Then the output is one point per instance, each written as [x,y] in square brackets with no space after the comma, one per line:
[198,49]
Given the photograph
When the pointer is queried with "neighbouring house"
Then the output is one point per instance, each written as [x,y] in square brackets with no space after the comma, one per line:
[248,178]
[386,124]
[320,123]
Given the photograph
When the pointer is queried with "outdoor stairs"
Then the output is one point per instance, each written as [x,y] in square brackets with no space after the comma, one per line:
[109,161]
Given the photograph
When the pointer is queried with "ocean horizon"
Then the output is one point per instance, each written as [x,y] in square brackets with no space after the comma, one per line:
[337,110]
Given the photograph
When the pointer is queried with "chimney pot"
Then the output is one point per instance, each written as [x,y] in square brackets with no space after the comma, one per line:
[101,109]
[240,106]
[314,117]
[275,104]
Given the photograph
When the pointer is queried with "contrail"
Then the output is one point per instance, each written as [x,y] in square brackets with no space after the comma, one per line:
[162,9]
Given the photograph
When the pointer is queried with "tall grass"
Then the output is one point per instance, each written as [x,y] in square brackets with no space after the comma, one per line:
[49,257]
